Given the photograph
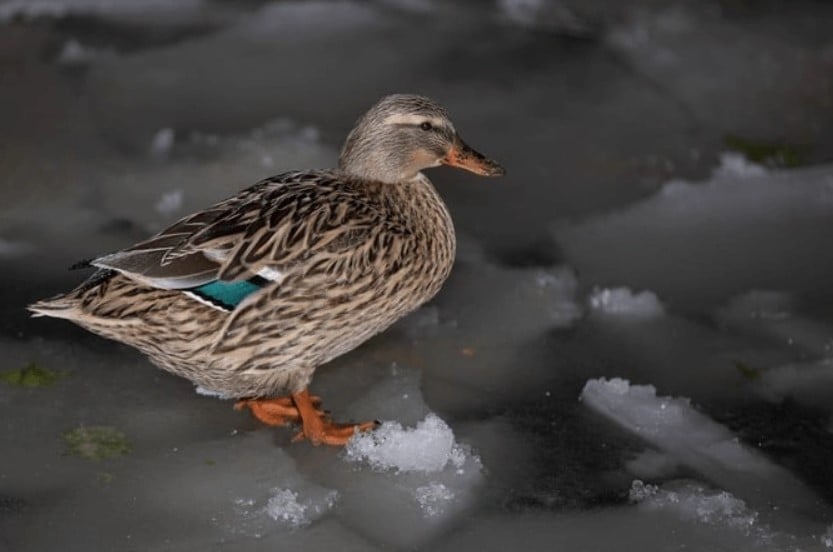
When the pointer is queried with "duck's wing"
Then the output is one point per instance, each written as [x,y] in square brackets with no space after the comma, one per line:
[262,231]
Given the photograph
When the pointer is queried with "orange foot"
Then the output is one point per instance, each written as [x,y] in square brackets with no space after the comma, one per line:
[315,423]
[280,411]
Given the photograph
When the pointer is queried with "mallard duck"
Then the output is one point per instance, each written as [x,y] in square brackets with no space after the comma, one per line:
[249,296]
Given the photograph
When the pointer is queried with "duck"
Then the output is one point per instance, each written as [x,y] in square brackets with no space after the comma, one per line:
[248,297]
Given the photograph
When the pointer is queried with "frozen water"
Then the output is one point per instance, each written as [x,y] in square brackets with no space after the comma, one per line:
[285,506]
[613,120]
[773,315]
[809,383]
[162,143]
[700,243]
[624,302]
[170,202]
[735,165]
[76,54]
[429,447]
[432,498]
[675,427]
[695,503]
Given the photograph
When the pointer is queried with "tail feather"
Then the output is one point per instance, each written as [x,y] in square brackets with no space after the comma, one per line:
[59,306]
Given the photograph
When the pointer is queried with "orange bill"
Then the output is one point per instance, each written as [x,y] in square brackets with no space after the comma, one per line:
[464,157]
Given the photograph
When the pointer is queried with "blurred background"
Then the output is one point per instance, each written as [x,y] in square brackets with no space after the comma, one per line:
[667,217]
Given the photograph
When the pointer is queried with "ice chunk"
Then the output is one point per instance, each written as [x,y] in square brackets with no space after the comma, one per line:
[170,202]
[74,53]
[735,165]
[429,447]
[693,502]
[285,506]
[162,143]
[694,440]
[623,302]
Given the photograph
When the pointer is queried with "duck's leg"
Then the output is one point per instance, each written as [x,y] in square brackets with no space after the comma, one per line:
[319,429]
[279,411]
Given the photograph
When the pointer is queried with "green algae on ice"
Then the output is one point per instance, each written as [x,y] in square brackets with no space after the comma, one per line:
[31,375]
[96,442]
[778,154]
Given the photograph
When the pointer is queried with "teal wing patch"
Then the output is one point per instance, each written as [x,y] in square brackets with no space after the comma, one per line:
[228,295]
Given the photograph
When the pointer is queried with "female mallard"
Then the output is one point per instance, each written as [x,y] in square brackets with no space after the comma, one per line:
[248,297]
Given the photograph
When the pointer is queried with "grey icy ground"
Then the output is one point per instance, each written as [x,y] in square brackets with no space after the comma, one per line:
[635,349]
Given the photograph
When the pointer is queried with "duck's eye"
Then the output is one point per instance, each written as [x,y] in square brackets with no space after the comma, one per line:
[426,126]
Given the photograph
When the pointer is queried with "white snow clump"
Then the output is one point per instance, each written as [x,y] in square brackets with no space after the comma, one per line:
[429,447]
[624,302]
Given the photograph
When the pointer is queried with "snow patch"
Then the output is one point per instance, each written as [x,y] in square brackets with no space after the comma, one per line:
[284,506]
[693,502]
[734,165]
[429,447]
[624,302]
[433,498]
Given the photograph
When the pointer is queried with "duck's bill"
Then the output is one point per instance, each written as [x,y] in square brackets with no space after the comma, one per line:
[464,157]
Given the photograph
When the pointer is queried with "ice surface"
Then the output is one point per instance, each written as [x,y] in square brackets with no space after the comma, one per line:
[708,241]
[34,9]
[651,464]
[623,302]
[774,315]
[411,483]
[676,428]
[608,101]
[551,15]
[170,202]
[809,383]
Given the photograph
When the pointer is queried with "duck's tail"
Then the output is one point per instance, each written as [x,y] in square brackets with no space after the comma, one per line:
[60,306]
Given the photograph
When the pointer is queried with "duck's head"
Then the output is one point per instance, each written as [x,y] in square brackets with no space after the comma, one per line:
[402,135]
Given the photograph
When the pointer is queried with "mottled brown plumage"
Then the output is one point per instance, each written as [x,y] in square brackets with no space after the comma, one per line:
[328,259]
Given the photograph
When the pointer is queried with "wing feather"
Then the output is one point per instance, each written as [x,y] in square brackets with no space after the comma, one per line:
[277,224]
